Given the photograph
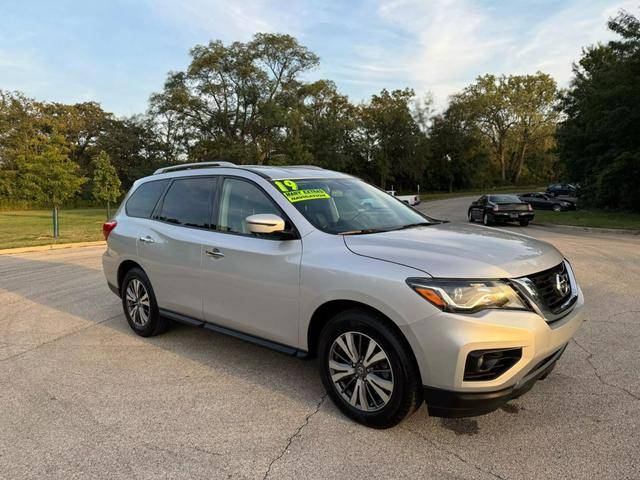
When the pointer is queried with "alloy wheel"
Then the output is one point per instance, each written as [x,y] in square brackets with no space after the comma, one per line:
[361,371]
[138,305]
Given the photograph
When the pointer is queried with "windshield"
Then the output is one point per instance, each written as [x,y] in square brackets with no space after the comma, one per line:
[348,206]
[504,199]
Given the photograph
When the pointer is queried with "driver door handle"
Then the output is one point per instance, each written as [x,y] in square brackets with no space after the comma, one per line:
[214,253]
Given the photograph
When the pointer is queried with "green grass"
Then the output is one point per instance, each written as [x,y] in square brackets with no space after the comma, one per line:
[590,218]
[34,227]
[427,197]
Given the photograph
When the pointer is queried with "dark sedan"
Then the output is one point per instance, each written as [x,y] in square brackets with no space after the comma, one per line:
[491,209]
[542,201]
[562,190]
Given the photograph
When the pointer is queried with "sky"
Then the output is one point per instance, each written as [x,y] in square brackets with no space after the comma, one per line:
[118,52]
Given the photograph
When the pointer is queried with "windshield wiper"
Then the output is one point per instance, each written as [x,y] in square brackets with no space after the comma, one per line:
[418,224]
[363,231]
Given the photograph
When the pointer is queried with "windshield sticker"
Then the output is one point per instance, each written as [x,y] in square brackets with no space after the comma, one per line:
[301,195]
[286,185]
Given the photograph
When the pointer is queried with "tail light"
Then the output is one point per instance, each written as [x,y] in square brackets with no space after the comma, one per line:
[107,228]
[495,208]
[529,207]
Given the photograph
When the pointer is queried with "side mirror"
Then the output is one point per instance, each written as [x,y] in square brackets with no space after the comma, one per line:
[265,223]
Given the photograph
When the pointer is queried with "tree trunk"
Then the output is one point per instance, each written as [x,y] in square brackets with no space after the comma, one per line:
[503,167]
[520,164]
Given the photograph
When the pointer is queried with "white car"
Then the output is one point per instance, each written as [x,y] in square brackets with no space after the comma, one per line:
[411,200]
[399,309]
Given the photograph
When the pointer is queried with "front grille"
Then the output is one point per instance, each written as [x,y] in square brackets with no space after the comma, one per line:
[553,287]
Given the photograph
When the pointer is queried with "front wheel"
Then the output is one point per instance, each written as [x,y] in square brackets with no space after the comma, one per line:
[557,208]
[470,216]
[524,223]
[486,220]
[368,370]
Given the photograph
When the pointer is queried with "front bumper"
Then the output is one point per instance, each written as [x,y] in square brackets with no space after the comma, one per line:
[442,342]
[451,404]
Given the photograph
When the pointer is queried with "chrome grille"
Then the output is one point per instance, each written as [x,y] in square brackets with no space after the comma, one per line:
[552,292]
[553,286]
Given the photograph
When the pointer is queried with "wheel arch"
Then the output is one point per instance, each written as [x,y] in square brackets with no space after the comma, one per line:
[123,268]
[324,312]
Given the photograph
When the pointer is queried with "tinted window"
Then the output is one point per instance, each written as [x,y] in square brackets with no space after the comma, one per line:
[188,202]
[144,199]
[240,199]
[504,199]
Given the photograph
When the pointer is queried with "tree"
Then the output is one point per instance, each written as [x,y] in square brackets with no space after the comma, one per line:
[234,101]
[105,184]
[598,141]
[47,175]
[392,137]
[511,113]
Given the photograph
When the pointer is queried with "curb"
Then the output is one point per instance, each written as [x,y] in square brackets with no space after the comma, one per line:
[53,246]
[619,231]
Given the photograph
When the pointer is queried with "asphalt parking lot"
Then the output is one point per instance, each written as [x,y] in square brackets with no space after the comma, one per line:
[81,396]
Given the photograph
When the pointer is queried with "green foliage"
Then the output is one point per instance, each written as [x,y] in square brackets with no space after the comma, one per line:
[247,102]
[599,141]
[105,184]
[45,173]
[512,114]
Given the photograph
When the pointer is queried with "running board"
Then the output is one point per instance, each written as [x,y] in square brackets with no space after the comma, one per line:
[278,347]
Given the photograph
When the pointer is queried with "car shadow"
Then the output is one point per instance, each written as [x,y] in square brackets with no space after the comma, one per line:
[46,301]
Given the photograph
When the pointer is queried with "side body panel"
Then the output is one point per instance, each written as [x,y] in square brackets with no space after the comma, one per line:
[254,287]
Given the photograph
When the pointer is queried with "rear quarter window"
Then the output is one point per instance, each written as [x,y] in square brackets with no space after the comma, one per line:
[144,199]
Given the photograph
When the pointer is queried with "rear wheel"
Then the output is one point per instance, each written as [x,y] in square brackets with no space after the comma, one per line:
[470,216]
[368,370]
[140,306]
[557,208]
[524,223]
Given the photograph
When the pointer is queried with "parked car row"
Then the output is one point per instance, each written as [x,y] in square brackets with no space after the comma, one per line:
[519,208]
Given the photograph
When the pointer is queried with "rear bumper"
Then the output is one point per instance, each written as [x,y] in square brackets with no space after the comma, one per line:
[506,216]
[450,404]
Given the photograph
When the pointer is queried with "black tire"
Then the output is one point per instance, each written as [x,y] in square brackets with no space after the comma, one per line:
[556,207]
[406,394]
[524,223]
[486,219]
[470,216]
[154,324]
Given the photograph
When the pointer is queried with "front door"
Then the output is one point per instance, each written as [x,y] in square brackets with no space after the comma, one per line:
[251,283]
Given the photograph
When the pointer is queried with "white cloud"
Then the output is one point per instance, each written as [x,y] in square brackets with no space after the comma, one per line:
[230,20]
[450,42]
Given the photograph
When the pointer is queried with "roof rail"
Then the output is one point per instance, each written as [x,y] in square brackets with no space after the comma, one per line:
[191,166]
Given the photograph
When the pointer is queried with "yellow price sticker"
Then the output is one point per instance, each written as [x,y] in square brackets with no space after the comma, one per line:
[286,185]
[300,195]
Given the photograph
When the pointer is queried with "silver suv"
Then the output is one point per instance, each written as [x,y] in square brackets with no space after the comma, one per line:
[399,308]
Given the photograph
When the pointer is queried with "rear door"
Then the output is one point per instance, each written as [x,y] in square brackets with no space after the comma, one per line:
[170,247]
[251,282]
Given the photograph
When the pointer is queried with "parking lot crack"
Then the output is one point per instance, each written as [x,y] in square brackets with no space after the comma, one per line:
[297,433]
[599,377]
[444,449]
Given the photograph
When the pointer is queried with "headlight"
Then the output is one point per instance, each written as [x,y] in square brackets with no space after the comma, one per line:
[467,296]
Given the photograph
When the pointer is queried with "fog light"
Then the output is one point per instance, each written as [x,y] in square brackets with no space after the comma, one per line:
[483,365]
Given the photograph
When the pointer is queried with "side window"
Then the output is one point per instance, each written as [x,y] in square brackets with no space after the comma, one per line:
[483,200]
[189,202]
[240,199]
[144,199]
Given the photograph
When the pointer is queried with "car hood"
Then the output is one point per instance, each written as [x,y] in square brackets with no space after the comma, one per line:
[452,250]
